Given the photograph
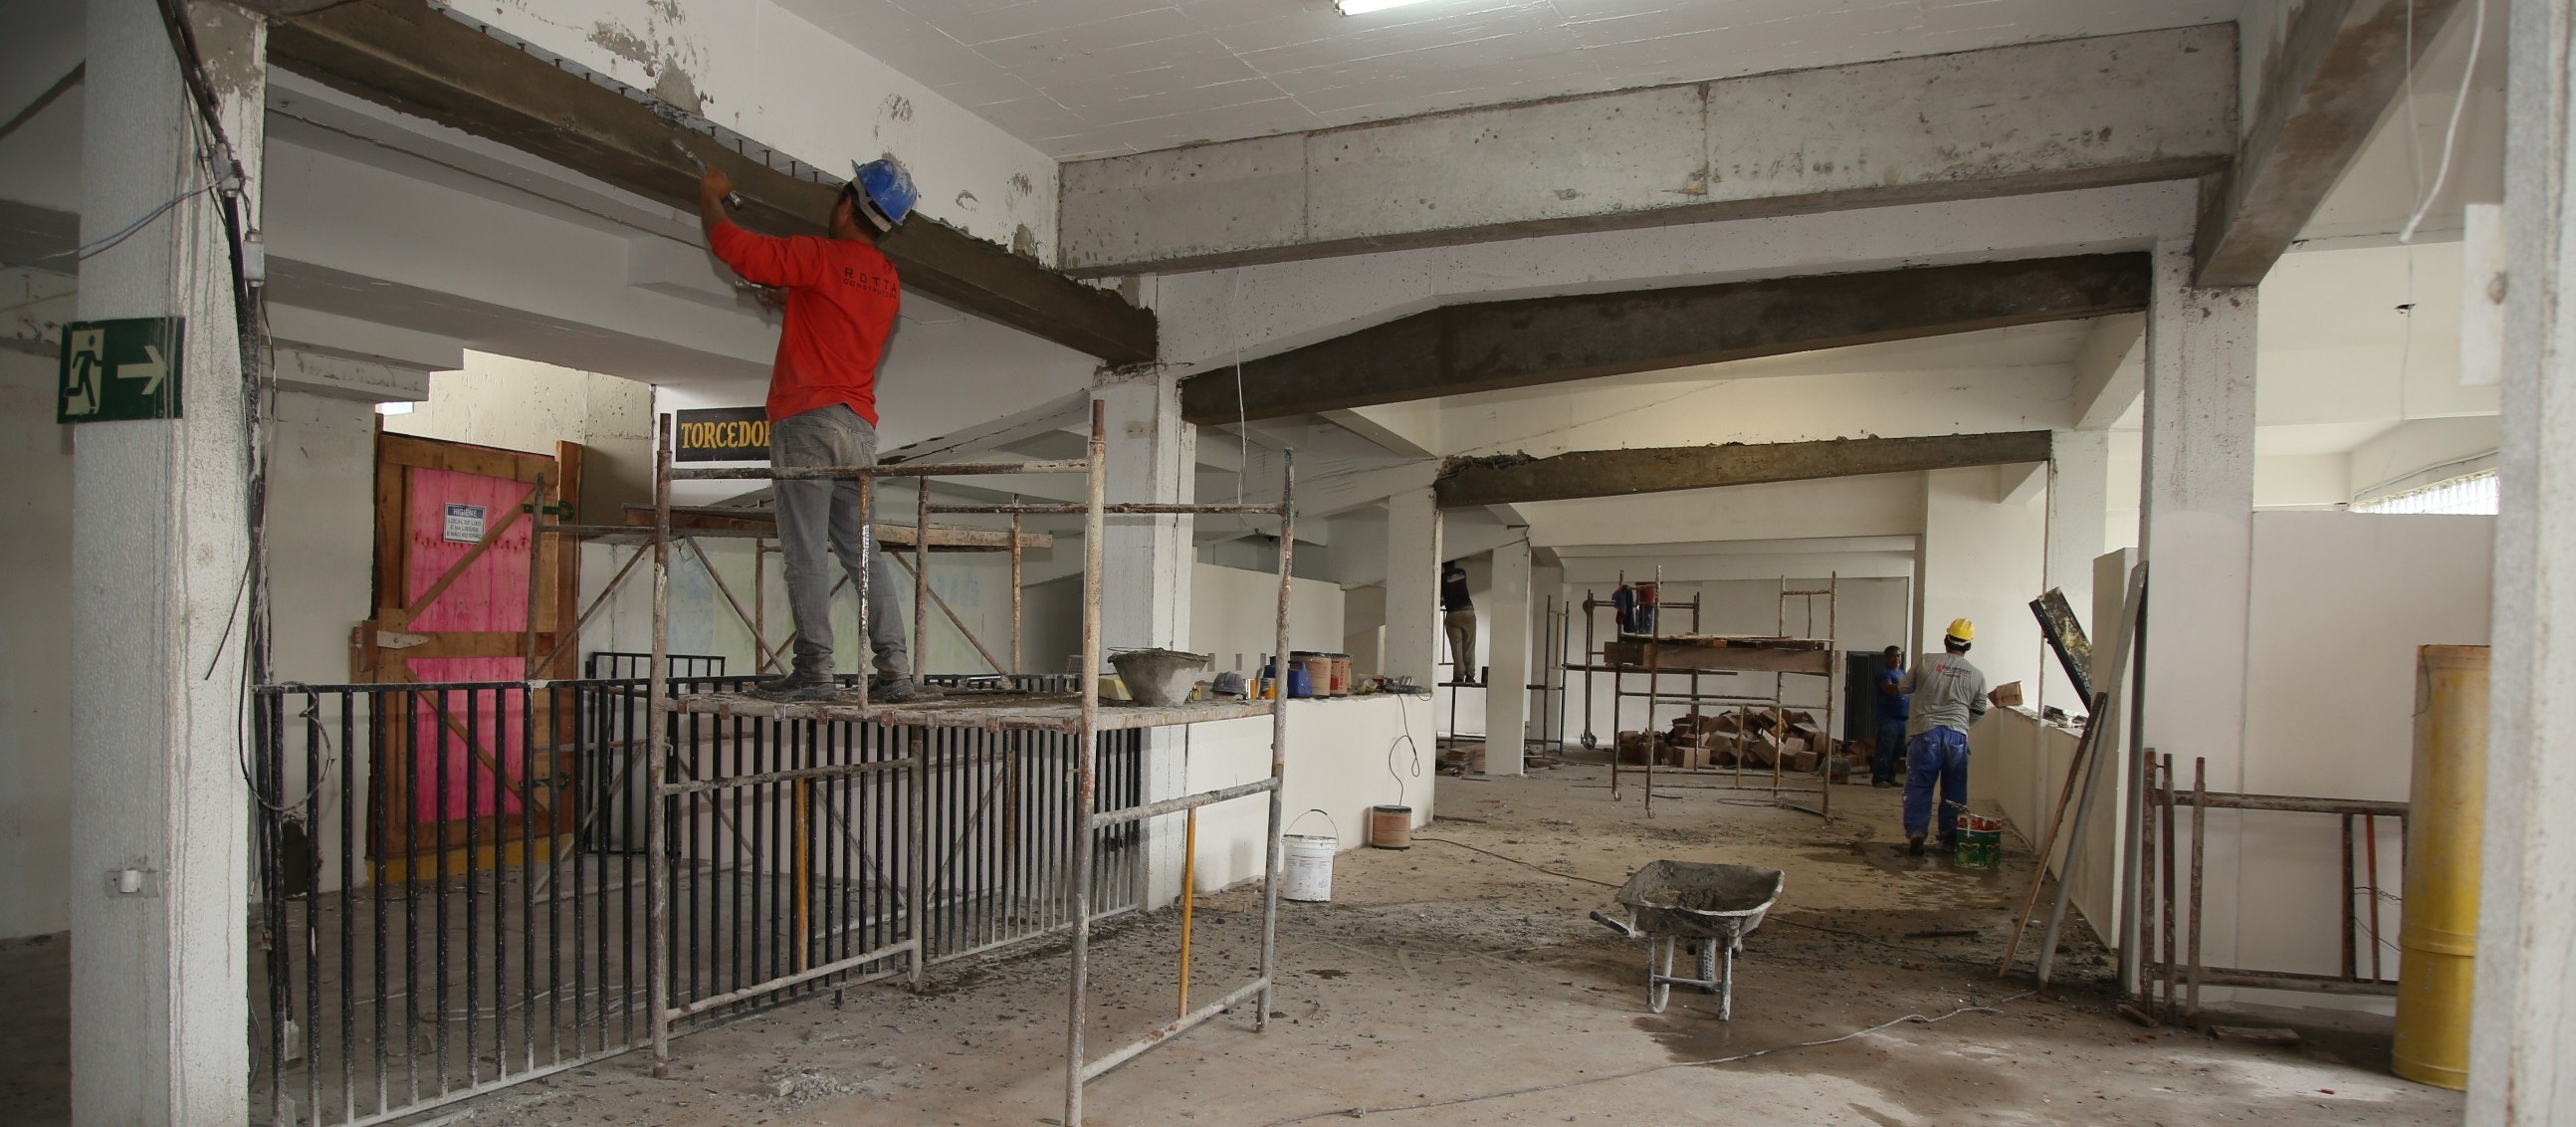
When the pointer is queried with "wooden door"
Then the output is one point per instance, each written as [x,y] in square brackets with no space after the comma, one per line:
[466,590]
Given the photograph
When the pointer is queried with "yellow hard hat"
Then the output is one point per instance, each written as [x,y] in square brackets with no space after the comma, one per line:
[1963,630]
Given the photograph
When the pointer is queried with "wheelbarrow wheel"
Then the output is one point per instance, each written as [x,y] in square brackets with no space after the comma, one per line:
[1706,952]
[1659,966]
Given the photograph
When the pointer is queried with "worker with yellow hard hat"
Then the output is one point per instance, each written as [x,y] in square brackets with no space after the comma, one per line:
[1947,695]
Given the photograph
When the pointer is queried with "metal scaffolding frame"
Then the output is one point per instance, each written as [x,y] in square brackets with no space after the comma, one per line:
[1081,715]
[1822,662]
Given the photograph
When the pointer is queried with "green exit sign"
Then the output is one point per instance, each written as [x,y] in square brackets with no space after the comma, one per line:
[122,369]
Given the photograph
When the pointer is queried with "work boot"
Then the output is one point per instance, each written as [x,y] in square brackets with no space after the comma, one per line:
[1914,846]
[891,688]
[806,682]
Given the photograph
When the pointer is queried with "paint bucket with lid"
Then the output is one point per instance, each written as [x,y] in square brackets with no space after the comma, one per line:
[1391,827]
[1981,842]
[1318,668]
[1306,867]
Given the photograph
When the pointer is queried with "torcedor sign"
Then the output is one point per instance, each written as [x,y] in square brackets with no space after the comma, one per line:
[721,434]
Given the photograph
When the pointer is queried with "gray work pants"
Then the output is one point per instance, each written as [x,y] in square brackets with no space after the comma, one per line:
[1461,625]
[820,516]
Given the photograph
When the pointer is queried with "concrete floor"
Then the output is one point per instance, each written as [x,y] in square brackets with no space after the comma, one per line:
[1449,986]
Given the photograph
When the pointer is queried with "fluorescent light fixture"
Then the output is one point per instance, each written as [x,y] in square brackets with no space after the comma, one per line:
[1363,7]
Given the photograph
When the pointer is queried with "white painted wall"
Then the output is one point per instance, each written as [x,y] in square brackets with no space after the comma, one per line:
[35,680]
[1236,612]
[2340,603]
[526,405]
[1344,756]
[1984,561]
[769,74]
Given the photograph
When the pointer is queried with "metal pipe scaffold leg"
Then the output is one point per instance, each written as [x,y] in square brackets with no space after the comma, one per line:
[1278,743]
[1084,785]
[657,751]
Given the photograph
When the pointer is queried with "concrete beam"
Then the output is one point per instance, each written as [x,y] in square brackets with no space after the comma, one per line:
[2118,109]
[409,55]
[2340,67]
[1491,345]
[1467,482]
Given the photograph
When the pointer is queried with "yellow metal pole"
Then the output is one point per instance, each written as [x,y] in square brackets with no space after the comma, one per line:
[2437,937]
[1189,895]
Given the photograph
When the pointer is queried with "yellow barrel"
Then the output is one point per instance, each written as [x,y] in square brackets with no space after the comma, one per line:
[2438,941]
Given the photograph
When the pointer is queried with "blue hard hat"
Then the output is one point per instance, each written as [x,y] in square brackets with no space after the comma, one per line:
[885,189]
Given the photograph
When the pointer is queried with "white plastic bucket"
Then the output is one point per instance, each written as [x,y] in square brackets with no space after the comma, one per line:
[1307,870]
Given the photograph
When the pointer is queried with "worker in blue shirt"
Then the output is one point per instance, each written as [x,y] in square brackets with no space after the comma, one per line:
[1893,703]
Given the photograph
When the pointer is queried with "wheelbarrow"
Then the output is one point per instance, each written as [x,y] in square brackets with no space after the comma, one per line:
[1712,906]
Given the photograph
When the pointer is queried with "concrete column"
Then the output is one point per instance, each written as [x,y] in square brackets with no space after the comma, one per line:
[1145,593]
[2522,1048]
[2078,495]
[1507,657]
[159,542]
[1413,636]
[2196,536]
[1145,575]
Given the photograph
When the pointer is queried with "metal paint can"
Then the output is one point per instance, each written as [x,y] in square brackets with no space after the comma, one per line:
[1391,827]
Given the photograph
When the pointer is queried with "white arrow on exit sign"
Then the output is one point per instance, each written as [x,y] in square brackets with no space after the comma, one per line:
[151,370]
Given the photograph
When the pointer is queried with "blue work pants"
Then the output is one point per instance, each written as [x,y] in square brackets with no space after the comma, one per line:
[1936,758]
[1890,751]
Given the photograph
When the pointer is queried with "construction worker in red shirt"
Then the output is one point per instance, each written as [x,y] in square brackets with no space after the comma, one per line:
[842,295]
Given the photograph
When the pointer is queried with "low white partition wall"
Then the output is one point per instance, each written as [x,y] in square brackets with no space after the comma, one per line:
[1344,756]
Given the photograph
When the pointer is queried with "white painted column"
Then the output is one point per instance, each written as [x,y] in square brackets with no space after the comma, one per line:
[1507,657]
[2079,475]
[2522,1046]
[1413,587]
[1145,580]
[2196,534]
[160,1028]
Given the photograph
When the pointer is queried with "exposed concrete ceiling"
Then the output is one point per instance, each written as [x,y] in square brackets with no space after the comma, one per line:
[1089,78]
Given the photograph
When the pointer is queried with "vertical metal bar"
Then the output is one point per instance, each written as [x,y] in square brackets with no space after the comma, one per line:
[867,584]
[2173,912]
[761,662]
[2370,845]
[312,939]
[2199,852]
[409,819]
[376,815]
[346,750]
[1016,658]
[1189,899]
[555,699]
[527,872]
[473,893]
[2351,962]
[1085,752]
[657,868]
[1590,659]
[2151,906]
[916,853]
[921,580]
[1279,744]
[1654,689]
[438,846]
[804,799]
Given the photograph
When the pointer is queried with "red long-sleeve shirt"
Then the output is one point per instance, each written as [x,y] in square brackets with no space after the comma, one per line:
[842,296]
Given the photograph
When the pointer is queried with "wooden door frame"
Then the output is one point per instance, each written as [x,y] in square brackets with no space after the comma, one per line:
[380,649]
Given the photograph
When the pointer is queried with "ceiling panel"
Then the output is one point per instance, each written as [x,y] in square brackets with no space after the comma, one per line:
[1083,78]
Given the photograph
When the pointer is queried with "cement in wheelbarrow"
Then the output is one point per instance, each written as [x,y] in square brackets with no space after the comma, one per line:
[1710,906]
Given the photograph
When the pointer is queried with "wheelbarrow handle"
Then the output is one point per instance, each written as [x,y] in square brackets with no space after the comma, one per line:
[1620,926]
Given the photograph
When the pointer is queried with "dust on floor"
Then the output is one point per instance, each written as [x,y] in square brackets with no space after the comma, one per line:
[1450,985]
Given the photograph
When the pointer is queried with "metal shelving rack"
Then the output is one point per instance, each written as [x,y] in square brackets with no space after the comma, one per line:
[1081,714]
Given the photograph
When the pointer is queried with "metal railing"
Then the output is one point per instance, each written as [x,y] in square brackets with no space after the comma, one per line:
[453,884]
